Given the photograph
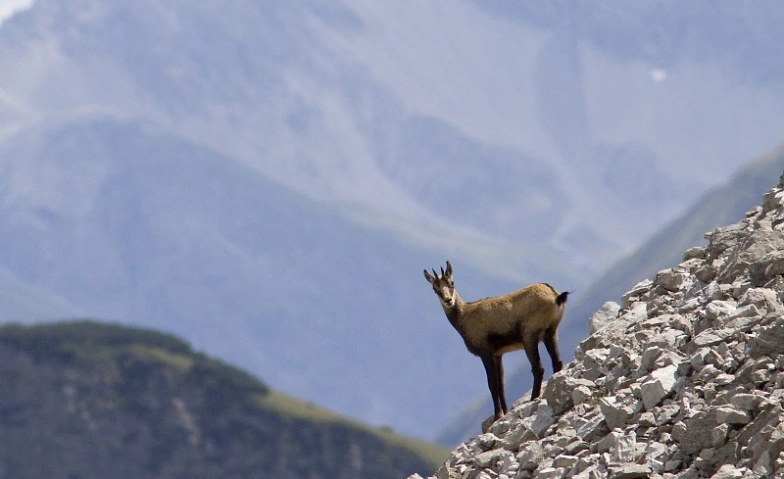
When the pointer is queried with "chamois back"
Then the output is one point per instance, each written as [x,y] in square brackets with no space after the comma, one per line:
[529,310]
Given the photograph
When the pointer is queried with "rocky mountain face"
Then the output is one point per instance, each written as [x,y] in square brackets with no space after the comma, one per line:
[719,206]
[683,379]
[89,400]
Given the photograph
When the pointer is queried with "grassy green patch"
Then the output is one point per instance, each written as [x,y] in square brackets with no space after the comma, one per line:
[299,409]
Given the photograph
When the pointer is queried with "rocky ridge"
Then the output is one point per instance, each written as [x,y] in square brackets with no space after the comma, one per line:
[683,379]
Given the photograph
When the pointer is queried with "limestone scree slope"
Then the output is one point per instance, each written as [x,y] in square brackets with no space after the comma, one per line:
[683,379]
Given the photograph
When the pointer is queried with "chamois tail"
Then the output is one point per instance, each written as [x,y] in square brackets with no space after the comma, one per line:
[561,299]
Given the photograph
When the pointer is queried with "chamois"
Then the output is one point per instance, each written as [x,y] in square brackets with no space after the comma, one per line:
[493,326]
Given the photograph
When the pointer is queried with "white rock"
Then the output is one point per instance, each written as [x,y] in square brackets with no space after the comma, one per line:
[668,339]
[762,466]
[565,461]
[580,394]
[628,471]
[517,435]
[608,312]
[558,391]
[617,412]
[719,435]
[694,434]
[659,386]
[727,471]
[665,413]
[544,418]
[624,446]
[486,459]
[550,473]
[649,357]
[672,465]
[672,279]
[712,336]
[764,298]
[487,441]
[530,456]
[731,415]
[500,460]
[719,309]
[769,341]
[595,362]
[748,402]
[637,312]
[634,294]
[592,427]
[696,252]
[656,455]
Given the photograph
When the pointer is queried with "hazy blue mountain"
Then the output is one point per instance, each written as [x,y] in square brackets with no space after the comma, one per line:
[167,234]
[269,179]
[720,206]
[332,98]
[23,301]
[739,37]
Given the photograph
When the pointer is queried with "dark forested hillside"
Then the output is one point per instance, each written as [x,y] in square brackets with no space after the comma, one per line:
[90,400]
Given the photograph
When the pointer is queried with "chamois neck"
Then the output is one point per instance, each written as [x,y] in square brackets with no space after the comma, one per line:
[453,311]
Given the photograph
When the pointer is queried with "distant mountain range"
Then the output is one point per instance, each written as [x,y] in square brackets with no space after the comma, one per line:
[166,234]
[92,400]
[269,179]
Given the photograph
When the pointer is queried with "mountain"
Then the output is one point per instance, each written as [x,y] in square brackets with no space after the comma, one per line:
[94,400]
[25,302]
[358,107]
[682,379]
[162,228]
[269,179]
[718,206]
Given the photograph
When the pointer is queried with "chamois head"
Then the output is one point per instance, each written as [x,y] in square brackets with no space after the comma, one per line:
[443,285]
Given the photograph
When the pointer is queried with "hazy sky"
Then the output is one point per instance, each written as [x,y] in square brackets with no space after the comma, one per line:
[8,7]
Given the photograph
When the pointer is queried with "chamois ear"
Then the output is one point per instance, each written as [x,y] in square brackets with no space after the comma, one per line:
[428,277]
[448,268]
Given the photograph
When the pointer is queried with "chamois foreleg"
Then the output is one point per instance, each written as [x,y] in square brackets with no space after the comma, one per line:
[499,363]
[551,343]
[531,347]
[491,369]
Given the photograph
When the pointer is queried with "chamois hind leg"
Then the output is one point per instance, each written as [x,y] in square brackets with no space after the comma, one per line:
[489,362]
[551,343]
[499,363]
[532,351]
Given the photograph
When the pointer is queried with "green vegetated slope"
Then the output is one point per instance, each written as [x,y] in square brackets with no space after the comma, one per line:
[92,400]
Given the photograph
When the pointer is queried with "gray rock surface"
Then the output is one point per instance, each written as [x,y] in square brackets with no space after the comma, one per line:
[682,380]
